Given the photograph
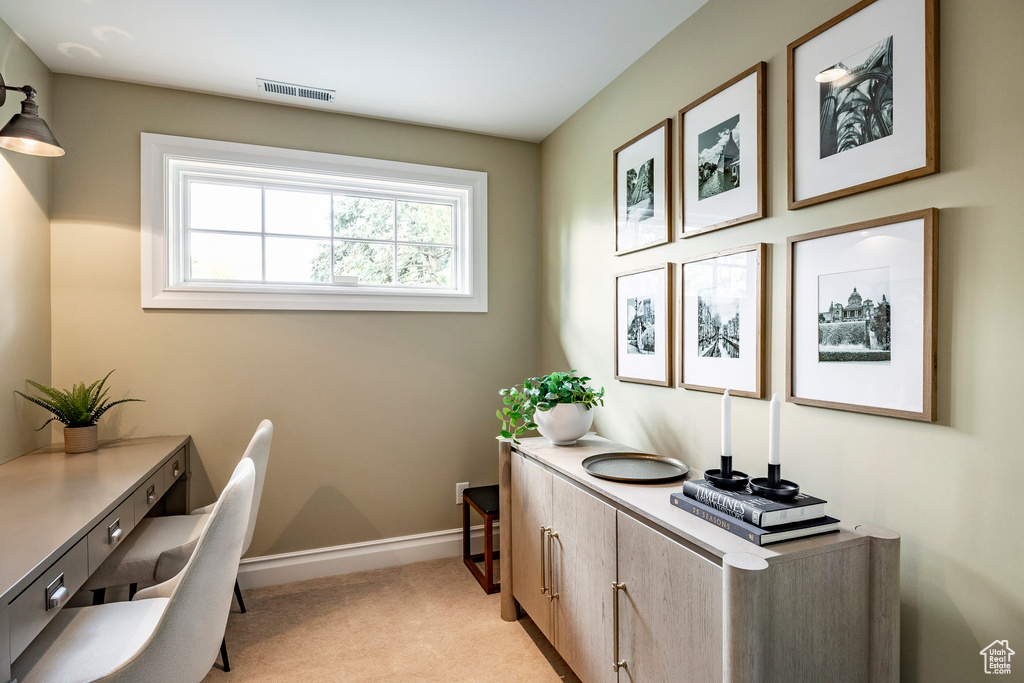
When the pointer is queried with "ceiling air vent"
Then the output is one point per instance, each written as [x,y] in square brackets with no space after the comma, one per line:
[292,90]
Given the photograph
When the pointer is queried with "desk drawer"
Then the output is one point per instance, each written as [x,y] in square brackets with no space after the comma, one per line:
[174,468]
[149,493]
[106,535]
[30,611]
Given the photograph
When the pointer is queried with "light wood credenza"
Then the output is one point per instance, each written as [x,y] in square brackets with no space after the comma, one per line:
[60,516]
[606,568]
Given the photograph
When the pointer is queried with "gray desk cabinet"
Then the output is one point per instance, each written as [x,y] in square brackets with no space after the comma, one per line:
[693,602]
[5,638]
[59,518]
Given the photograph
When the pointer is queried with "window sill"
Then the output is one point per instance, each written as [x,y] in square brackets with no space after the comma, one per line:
[308,299]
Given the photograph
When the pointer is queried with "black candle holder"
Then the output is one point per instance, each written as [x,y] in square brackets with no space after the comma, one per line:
[774,486]
[726,478]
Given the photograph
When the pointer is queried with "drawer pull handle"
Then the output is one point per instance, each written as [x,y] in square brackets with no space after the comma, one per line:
[56,593]
[176,470]
[616,662]
[114,532]
[151,494]
[543,560]
[552,593]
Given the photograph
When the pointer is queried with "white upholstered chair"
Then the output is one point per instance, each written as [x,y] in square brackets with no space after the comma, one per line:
[172,636]
[258,451]
[159,547]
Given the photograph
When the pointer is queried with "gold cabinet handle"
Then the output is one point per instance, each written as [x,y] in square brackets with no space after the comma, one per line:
[544,560]
[616,662]
[552,593]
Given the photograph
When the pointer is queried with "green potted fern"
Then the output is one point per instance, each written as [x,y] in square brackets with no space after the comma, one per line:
[79,410]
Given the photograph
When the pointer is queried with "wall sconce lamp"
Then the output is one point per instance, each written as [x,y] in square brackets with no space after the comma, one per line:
[26,132]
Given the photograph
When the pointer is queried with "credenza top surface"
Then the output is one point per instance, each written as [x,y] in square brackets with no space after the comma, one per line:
[652,502]
[49,500]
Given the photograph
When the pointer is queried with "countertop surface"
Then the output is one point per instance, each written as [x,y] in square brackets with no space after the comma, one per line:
[652,502]
[50,500]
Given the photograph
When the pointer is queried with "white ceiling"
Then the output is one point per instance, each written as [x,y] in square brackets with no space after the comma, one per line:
[514,68]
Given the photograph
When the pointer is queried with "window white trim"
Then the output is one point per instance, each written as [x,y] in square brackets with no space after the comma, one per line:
[168,158]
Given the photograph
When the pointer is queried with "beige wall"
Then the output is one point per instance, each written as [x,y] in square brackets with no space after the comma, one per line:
[24,260]
[377,415]
[951,489]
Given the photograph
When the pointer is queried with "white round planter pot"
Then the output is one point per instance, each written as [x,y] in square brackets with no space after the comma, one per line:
[564,423]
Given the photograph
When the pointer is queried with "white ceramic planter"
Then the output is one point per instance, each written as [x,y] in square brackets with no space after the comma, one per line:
[564,423]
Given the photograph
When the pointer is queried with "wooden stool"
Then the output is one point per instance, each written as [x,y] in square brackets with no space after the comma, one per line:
[483,499]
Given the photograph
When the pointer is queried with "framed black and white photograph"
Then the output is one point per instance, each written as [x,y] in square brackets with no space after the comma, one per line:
[643,325]
[722,322]
[722,155]
[855,326]
[643,202]
[861,329]
[863,101]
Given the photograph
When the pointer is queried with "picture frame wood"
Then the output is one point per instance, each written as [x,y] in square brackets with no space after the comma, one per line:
[846,79]
[642,190]
[732,284]
[714,193]
[643,325]
[869,356]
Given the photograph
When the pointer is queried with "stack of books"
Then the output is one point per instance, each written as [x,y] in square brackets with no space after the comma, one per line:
[756,519]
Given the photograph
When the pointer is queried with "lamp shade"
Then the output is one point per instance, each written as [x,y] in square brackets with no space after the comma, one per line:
[29,134]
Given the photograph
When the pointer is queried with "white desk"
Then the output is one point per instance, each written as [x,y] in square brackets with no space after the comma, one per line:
[58,514]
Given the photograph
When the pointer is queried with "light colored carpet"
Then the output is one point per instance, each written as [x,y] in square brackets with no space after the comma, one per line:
[428,621]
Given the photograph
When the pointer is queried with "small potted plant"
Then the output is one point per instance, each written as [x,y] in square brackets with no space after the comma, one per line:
[79,410]
[557,405]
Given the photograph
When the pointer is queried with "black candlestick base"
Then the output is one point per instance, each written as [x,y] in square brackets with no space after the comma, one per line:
[774,486]
[735,480]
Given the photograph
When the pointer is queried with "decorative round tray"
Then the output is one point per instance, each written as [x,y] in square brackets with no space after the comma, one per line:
[635,468]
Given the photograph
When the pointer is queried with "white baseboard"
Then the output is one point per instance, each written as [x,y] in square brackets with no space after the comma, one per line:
[272,570]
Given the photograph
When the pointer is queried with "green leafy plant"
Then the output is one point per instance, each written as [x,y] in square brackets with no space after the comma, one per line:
[542,393]
[82,406]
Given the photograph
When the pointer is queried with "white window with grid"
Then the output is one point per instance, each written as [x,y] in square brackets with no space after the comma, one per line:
[227,225]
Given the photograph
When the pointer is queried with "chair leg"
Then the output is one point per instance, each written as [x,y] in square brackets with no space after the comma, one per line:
[238,596]
[99,595]
[224,654]
[465,529]
[489,554]
[133,588]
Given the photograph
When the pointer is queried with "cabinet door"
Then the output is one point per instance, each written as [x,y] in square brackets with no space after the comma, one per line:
[670,611]
[583,572]
[531,510]
[5,645]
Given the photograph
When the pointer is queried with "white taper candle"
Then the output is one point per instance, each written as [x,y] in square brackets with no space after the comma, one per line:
[773,431]
[726,424]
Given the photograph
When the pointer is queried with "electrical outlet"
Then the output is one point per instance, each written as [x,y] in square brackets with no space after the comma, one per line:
[458,491]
